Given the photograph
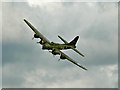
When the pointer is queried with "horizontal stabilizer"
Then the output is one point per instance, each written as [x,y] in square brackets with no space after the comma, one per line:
[77,51]
[63,39]
[72,48]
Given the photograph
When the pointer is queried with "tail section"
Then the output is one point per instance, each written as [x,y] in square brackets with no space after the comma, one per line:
[74,41]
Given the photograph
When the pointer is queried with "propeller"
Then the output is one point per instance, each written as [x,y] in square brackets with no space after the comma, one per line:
[59,59]
[32,38]
[38,42]
[50,51]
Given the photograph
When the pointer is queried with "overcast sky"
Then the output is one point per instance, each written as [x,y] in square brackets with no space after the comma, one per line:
[25,64]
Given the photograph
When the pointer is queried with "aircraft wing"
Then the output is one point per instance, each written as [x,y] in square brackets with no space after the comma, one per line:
[71,60]
[72,48]
[36,31]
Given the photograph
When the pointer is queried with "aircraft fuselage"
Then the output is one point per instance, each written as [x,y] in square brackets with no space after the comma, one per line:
[51,46]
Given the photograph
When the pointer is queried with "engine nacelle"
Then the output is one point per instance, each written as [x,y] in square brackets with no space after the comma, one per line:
[62,56]
[42,42]
[55,52]
[36,36]
[46,47]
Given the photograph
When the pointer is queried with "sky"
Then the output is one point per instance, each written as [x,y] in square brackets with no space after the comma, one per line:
[26,65]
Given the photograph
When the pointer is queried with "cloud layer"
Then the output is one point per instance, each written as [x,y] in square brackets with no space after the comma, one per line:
[26,65]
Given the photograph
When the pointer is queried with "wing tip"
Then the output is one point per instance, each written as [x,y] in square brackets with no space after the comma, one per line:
[82,67]
[24,19]
[85,68]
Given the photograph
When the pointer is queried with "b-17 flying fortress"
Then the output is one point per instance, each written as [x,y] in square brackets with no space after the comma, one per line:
[55,48]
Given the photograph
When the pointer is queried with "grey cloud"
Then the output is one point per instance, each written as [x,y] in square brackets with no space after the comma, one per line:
[39,68]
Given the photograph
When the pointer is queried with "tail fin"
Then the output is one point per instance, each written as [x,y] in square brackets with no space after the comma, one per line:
[74,41]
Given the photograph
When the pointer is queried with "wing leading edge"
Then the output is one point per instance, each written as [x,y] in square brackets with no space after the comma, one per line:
[36,31]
